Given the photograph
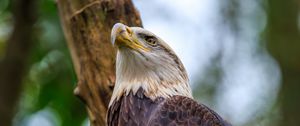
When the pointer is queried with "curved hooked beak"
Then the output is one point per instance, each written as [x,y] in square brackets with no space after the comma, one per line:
[122,35]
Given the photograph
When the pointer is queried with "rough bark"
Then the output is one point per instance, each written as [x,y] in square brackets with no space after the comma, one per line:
[13,64]
[87,25]
[283,43]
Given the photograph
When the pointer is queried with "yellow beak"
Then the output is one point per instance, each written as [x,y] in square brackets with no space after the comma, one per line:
[122,35]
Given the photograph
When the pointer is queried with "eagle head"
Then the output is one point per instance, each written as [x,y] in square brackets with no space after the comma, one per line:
[145,61]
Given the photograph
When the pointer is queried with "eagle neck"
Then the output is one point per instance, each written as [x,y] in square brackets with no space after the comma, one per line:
[133,73]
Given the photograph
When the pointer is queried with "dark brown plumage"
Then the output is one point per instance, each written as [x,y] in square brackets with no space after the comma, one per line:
[132,110]
[184,111]
[138,110]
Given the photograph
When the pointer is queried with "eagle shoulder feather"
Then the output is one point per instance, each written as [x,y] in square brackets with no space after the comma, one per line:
[184,111]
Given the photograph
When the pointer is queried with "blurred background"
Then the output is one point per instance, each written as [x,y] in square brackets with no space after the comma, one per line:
[242,57]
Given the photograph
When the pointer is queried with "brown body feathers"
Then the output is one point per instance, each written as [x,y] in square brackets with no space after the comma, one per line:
[138,110]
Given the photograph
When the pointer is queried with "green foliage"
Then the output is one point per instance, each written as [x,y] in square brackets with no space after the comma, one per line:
[50,80]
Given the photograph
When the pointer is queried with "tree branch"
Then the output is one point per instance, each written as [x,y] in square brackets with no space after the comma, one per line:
[87,26]
[12,66]
[283,37]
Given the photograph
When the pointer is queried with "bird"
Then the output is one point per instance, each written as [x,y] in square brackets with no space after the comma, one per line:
[152,86]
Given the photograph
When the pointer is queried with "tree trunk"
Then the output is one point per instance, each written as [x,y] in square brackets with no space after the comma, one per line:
[13,64]
[284,44]
[87,25]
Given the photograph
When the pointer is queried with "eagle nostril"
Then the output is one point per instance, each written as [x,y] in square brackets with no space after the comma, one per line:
[129,31]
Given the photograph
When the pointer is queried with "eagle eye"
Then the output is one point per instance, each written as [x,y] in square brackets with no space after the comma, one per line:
[151,40]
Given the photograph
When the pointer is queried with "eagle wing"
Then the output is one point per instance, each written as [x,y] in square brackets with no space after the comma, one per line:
[184,111]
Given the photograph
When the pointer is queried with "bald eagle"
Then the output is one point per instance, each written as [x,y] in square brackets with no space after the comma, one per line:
[152,86]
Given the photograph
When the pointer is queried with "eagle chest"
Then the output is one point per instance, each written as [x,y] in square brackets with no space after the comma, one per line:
[132,110]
